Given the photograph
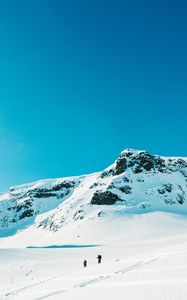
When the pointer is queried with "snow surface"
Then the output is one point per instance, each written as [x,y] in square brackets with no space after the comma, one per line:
[50,226]
[148,260]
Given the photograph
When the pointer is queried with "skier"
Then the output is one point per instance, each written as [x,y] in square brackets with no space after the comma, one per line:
[99,257]
[85,263]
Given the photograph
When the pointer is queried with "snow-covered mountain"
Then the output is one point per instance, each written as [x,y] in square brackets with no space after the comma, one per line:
[136,183]
[134,213]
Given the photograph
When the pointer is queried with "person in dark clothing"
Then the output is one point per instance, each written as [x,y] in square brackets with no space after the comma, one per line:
[99,257]
[85,263]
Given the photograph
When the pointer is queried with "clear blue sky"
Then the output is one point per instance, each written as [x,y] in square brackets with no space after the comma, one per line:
[82,80]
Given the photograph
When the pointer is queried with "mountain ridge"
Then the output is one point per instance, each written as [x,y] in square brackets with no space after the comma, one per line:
[136,183]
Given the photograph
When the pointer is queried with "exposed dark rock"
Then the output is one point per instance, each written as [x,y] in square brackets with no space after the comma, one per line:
[111,186]
[178,163]
[140,179]
[125,189]
[49,224]
[26,213]
[44,194]
[166,188]
[107,197]
[145,205]
[121,166]
[142,161]
[94,185]
[180,199]
[170,201]
[107,173]
[126,179]
[79,214]
[23,206]
[63,185]
[138,169]
[11,208]
[139,161]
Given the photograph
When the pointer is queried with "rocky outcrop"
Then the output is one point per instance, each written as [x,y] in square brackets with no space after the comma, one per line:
[25,203]
[104,198]
[138,161]
[143,161]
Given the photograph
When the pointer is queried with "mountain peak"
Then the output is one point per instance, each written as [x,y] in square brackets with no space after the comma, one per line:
[140,161]
[131,151]
[137,160]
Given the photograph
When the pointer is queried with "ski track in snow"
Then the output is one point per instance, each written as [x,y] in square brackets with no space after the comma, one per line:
[100,278]
[13,293]
[79,285]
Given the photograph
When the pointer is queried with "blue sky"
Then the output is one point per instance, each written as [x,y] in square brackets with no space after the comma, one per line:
[82,80]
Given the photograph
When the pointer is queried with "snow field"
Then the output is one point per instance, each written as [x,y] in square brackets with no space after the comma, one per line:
[147,269]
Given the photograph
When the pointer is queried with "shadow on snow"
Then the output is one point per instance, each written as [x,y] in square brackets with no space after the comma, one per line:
[62,246]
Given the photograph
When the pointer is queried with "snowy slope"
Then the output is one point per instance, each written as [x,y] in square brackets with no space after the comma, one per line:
[137,183]
[148,268]
[134,213]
